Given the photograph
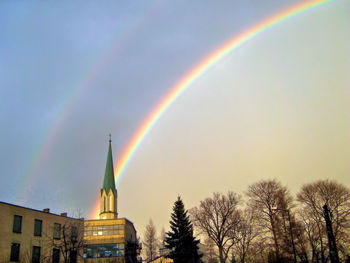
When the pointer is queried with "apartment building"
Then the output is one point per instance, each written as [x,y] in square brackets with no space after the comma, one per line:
[34,236]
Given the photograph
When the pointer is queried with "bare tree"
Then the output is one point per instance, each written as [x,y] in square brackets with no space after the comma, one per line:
[264,197]
[162,237]
[248,230]
[210,254]
[150,241]
[312,234]
[218,217]
[67,240]
[161,243]
[258,250]
[312,198]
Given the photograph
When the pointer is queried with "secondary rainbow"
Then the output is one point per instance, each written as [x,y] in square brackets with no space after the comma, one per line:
[198,71]
[80,86]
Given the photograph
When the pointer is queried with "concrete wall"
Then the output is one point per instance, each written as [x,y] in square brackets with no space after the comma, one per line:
[130,232]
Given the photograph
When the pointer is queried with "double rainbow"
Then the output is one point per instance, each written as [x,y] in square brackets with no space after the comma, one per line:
[196,73]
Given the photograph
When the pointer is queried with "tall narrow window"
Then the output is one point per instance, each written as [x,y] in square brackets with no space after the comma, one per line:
[56,231]
[36,254]
[110,203]
[17,224]
[15,252]
[56,255]
[37,227]
[104,204]
[74,233]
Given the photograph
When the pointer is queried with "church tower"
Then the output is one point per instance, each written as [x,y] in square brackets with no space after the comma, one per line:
[108,197]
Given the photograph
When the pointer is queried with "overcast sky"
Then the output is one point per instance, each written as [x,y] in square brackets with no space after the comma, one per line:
[71,72]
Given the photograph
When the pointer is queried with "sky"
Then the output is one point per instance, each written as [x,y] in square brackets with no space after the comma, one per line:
[71,72]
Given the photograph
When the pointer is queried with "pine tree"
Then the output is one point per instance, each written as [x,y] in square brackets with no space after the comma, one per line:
[180,241]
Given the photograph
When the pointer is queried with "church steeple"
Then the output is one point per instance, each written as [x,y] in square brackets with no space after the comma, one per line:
[108,198]
[108,182]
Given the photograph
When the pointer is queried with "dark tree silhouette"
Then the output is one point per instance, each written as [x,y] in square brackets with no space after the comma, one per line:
[182,245]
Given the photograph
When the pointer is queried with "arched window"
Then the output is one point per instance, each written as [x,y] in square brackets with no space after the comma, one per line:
[104,203]
[110,203]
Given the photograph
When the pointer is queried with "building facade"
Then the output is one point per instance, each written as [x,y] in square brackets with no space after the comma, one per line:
[109,238]
[161,259]
[29,235]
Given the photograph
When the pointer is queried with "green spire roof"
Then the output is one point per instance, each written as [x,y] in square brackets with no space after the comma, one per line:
[108,182]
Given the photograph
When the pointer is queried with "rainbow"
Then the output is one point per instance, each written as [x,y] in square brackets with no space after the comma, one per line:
[81,85]
[176,91]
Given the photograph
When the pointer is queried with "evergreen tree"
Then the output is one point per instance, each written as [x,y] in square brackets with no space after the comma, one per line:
[180,241]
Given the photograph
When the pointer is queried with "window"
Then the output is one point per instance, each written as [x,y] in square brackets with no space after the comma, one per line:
[55,255]
[37,227]
[15,252]
[104,251]
[57,231]
[110,203]
[17,224]
[74,232]
[36,254]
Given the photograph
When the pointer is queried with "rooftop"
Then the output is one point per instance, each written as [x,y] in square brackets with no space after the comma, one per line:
[45,211]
